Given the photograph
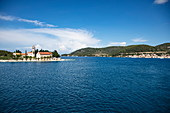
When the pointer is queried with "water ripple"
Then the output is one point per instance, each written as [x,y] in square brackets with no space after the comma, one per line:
[86,85]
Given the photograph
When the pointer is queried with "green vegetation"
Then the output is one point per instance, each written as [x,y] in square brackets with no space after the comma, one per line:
[55,54]
[17,51]
[5,55]
[36,51]
[43,50]
[120,50]
[163,47]
[108,51]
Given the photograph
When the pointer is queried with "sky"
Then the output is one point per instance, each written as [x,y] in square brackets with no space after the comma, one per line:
[68,25]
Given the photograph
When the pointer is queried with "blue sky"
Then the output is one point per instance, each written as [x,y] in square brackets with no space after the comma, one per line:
[67,25]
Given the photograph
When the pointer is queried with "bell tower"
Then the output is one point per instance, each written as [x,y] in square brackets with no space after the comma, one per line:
[33,49]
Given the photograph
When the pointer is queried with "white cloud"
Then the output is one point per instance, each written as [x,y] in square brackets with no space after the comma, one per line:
[36,22]
[64,40]
[7,18]
[160,1]
[117,44]
[138,40]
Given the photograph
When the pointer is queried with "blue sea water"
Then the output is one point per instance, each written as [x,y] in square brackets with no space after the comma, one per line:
[87,84]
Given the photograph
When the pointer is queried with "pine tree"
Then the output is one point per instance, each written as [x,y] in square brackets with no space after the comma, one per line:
[55,54]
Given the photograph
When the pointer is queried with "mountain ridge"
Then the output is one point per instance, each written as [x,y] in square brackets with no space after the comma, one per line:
[114,51]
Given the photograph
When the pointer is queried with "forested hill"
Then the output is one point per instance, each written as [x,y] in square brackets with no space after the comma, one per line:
[117,50]
[5,55]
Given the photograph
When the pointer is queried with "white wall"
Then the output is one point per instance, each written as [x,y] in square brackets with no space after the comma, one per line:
[30,54]
[39,56]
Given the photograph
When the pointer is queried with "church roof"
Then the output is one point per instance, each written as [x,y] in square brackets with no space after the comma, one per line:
[45,53]
[23,54]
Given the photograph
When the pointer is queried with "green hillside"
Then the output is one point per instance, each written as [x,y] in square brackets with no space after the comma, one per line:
[117,50]
[5,55]
[163,47]
[99,51]
[138,48]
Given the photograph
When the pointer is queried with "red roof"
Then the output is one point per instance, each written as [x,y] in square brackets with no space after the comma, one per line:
[19,53]
[45,53]
[22,53]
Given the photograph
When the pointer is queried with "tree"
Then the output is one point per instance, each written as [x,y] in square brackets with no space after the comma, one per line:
[50,57]
[17,51]
[17,57]
[6,55]
[41,58]
[36,51]
[44,57]
[26,57]
[30,57]
[43,50]
[34,57]
[55,54]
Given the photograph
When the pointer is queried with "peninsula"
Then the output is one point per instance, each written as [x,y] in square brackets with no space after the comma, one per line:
[132,51]
[33,56]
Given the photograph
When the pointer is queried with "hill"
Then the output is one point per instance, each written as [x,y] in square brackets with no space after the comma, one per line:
[163,47]
[117,50]
[5,55]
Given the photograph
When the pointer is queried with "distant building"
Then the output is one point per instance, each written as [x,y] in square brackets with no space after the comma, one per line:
[15,54]
[32,54]
[22,54]
[43,54]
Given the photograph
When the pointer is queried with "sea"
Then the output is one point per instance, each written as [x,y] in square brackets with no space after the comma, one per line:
[86,85]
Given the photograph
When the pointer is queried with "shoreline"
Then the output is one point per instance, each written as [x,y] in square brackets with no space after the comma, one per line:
[36,60]
[121,57]
[53,60]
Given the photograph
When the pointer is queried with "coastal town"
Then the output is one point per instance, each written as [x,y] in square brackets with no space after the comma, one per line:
[161,54]
[34,56]
[130,51]
[133,51]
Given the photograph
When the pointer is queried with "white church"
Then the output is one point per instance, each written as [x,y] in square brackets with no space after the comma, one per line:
[32,53]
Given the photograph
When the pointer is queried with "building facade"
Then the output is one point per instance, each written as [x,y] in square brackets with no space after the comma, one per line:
[43,54]
[32,54]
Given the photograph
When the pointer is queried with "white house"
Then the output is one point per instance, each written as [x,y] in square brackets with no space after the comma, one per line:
[31,54]
[21,54]
[43,54]
[15,54]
